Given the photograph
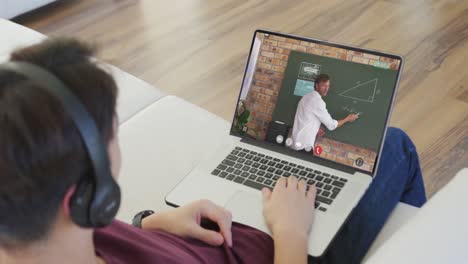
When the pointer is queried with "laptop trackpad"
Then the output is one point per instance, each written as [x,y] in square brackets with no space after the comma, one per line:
[247,208]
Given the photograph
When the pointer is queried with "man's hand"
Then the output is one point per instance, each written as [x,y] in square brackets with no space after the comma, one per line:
[185,221]
[289,207]
[288,212]
[321,132]
[352,117]
[349,118]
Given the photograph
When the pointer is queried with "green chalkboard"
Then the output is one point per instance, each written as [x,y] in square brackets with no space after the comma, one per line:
[354,88]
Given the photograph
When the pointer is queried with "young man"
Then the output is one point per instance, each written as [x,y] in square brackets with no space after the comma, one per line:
[311,113]
[42,159]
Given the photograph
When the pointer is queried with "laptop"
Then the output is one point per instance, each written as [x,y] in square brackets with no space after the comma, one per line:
[279,79]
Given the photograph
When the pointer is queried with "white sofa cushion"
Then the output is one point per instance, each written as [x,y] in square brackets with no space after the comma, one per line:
[438,233]
[160,145]
[16,36]
[134,94]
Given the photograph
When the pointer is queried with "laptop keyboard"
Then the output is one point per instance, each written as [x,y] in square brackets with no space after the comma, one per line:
[258,170]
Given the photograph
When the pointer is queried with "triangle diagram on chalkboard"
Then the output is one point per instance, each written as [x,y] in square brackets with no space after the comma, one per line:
[363,92]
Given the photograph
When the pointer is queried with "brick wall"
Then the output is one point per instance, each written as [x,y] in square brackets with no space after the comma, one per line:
[269,73]
[346,153]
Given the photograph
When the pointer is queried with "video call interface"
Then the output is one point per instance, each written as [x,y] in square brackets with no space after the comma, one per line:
[316,99]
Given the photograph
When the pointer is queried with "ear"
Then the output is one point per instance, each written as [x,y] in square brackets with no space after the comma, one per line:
[67,198]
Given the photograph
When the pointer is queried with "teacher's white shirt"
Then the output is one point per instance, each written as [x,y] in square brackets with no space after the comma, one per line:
[311,112]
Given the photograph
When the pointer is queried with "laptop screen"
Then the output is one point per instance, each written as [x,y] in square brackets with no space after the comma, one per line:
[319,100]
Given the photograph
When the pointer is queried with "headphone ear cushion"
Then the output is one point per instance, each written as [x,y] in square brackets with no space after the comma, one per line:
[105,204]
[80,203]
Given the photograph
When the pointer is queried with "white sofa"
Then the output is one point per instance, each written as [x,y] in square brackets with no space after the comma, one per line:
[12,8]
[162,137]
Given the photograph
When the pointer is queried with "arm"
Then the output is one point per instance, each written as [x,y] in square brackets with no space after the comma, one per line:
[349,118]
[290,248]
[185,221]
[288,211]
[326,119]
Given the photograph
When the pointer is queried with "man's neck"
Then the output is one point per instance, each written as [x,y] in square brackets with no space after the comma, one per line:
[73,245]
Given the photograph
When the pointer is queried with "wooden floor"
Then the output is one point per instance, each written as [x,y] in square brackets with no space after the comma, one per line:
[197,50]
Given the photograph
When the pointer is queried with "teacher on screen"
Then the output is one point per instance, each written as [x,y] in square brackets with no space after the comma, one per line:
[311,113]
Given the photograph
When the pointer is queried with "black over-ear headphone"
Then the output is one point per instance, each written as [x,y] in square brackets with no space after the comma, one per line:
[96,199]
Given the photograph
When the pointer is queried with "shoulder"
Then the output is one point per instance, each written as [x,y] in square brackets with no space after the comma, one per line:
[312,96]
[116,228]
[316,98]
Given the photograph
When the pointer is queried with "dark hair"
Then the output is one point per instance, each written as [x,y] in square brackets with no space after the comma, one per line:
[321,78]
[41,152]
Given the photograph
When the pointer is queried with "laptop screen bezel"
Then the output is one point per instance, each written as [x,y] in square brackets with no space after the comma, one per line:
[316,159]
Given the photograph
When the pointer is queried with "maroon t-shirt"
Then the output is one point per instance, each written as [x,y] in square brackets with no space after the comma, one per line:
[123,243]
